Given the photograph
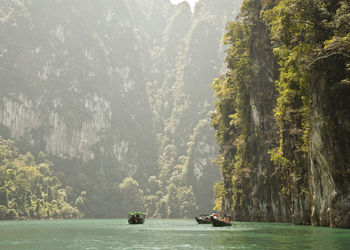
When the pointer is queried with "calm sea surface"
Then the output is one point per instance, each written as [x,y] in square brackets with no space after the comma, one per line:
[166,234]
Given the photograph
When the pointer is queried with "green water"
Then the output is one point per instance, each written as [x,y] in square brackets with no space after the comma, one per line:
[166,234]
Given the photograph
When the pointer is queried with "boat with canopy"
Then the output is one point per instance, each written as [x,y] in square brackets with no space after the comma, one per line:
[136,218]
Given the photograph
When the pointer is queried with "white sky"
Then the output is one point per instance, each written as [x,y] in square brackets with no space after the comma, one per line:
[191,2]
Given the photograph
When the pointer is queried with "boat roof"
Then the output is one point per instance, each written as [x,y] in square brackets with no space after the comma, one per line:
[140,213]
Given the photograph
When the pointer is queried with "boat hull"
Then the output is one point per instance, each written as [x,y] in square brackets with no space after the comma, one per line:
[219,223]
[135,220]
[201,221]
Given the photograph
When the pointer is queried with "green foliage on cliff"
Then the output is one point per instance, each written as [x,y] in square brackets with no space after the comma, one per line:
[29,190]
[232,120]
[311,44]
[312,38]
[296,38]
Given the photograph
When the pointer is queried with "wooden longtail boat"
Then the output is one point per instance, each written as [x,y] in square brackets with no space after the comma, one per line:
[136,218]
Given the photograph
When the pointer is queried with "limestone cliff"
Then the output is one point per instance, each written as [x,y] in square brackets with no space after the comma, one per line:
[283,129]
[105,88]
[252,188]
[329,147]
[265,200]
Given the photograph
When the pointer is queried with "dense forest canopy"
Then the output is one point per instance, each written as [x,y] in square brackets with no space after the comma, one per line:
[29,190]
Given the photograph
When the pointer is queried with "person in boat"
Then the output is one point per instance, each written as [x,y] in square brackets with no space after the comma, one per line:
[227,219]
[215,215]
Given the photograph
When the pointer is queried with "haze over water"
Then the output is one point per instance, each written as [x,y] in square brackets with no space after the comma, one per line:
[166,234]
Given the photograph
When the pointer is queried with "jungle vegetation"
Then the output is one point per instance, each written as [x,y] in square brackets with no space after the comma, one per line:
[310,41]
[28,189]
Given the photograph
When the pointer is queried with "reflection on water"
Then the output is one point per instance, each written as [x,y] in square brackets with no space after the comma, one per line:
[166,234]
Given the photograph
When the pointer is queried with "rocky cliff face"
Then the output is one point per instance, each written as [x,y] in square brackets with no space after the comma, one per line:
[75,79]
[295,114]
[329,144]
[106,88]
[265,199]
[256,189]
[183,119]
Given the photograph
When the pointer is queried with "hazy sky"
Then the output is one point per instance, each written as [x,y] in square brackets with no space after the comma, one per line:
[191,2]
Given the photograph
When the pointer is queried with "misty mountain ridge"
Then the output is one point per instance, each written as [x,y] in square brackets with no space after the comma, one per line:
[118,94]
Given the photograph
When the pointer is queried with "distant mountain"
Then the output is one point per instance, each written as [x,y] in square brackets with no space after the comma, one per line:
[117,93]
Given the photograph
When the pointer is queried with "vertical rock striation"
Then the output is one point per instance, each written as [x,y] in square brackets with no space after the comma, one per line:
[329,147]
[267,203]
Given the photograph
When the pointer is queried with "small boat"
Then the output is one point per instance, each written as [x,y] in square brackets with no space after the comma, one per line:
[220,223]
[203,219]
[136,218]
